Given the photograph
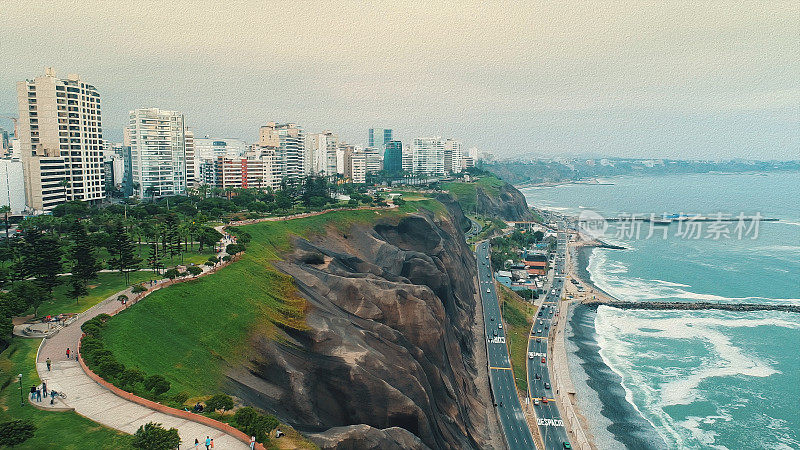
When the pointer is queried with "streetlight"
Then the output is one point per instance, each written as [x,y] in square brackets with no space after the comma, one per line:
[21,398]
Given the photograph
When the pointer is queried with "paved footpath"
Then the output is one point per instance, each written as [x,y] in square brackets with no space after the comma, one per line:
[99,404]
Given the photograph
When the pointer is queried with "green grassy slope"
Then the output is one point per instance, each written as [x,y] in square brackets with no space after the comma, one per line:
[517,317]
[191,332]
[466,193]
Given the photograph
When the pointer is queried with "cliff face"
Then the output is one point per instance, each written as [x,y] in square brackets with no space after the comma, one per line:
[388,360]
[508,204]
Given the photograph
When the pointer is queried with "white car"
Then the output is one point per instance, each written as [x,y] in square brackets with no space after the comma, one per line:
[487,290]
[530,355]
[500,326]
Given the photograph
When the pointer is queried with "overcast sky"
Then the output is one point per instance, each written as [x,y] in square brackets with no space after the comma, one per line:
[672,79]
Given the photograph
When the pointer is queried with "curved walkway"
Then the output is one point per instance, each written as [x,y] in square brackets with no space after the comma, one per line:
[90,399]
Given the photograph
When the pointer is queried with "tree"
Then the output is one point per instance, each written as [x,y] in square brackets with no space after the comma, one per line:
[84,262]
[157,384]
[5,210]
[16,432]
[123,252]
[31,293]
[41,257]
[220,401]
[194,270]
[172,273]
[152,436]
[154,259]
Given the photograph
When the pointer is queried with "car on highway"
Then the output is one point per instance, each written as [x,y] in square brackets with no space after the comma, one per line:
[495,332]
[492,319]
[547,385]
[539,330]
[544,359]
[536,401]
[530,355]
[537,376]
[567,446]
[487,290]
[500,326]
[544,399]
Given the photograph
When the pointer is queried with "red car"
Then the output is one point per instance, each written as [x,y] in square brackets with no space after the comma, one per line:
[543,359]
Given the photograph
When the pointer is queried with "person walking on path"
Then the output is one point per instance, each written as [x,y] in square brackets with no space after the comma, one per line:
[33,392]
[44,389]
[196,442]
[252,442]
[38,395]
[208,443]
[49,363]
[67,352]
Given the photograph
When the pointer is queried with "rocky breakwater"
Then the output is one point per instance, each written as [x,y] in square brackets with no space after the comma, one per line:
[388,359]
[742,307]
[508,203]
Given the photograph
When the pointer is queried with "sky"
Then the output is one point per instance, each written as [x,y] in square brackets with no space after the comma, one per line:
[682,79]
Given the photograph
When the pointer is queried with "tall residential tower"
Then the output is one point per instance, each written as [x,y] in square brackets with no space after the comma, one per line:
[61,140]
[158,152]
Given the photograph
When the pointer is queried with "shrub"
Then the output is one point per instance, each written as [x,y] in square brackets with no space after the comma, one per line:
[172,273]
[244,417]
[213,259]
[16,432]
[156,384]
[152,436]
[138,288]
[91,329]
[129,377]
[98,356]
[110,368]
[261,426]
[220,401]
[194,270]
[226,258]
[233,249]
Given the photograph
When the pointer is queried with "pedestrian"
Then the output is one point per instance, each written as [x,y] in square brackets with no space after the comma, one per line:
[252,442]
[212,442]
[38,395]
[67,352]
[33,392]
[208,442]
[48,364]
[44,388]
[196,442]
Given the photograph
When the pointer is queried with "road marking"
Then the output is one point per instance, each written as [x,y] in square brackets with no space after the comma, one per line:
[538,337]
[500,368]
[548,422]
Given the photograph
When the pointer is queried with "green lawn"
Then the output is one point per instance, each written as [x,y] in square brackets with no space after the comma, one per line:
[63,430]
[143,252]
[517,317]
[106,284]
[466,193]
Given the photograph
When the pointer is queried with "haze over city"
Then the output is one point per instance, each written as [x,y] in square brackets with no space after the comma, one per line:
[676,79]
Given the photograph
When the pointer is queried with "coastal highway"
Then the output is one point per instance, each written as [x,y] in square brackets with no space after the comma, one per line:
[550,423]
[512,419]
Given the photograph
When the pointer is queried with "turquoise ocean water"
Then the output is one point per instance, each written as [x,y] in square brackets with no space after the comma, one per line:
[677,379]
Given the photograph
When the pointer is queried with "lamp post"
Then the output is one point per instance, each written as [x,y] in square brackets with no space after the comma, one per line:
[21,398]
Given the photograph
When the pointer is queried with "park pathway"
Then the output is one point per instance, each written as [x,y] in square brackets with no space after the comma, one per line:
[91,400]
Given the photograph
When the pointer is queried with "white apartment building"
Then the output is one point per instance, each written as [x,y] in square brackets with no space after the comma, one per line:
[428,156]
[373,157]
[60,140]
[355,167]
[453,155]
[287,142]
[12,185]
[158,152]
[318,150]
[192,167]
[407,159]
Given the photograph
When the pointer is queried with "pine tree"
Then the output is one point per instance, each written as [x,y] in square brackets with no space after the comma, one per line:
[124,252]
[84,262]
[41,258]
[154,259]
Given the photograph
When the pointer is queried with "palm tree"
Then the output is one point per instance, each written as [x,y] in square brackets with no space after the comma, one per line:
[151,190]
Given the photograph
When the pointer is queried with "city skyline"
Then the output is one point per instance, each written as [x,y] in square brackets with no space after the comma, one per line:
[675,80]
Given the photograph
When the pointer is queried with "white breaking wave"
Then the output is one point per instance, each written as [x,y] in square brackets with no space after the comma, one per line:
[651,385]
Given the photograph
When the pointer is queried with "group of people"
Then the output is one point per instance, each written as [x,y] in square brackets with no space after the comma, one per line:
[39,392]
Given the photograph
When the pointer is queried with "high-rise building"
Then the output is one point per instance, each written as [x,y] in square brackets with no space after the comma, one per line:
[288,143]
[453,155]
[5,143]
[318,150]
[158,152]
[378,138]
[191,160]
[12,185]
[373,158]
[428,156]
[240,173]
[61,140]
[393,157]
[355,166]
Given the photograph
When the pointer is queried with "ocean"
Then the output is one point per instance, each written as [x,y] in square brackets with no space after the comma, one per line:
[699,379]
